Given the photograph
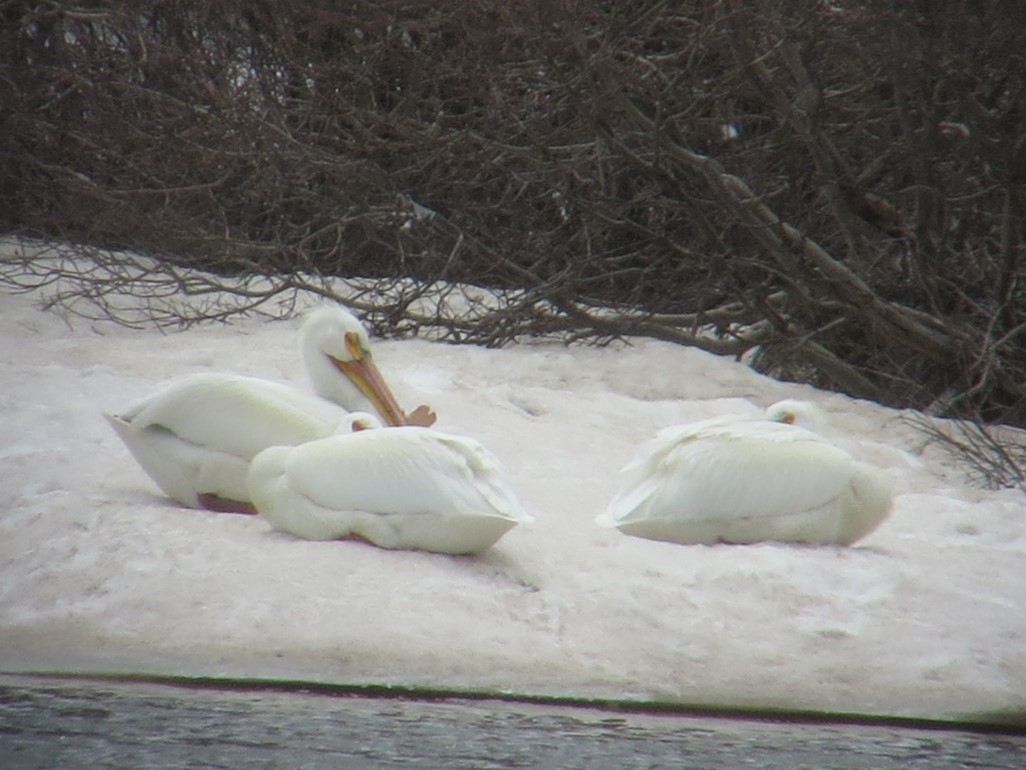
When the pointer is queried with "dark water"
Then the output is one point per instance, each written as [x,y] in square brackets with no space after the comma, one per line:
[86,724]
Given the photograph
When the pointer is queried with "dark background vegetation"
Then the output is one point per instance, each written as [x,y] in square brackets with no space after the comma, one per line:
[839,187]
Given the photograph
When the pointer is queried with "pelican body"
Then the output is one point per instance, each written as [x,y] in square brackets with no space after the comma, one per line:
[408,487]
[744,480]
[196,435]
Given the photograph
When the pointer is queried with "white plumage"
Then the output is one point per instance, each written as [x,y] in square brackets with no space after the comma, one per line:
[408,487]
[745,480]
[196,435]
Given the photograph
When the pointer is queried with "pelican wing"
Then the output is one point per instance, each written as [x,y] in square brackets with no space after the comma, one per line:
[720,472]
[235,415]
[406,487]
[401,471]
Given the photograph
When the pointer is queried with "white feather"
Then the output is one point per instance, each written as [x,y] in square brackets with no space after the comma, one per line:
[408,487]
[745,480]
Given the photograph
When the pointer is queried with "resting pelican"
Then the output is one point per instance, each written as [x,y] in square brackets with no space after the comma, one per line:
[196,435]
[745,480]
[410,487]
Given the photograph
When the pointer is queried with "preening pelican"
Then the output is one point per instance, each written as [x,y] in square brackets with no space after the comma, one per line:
[196,435]
[410,487]
[744,480]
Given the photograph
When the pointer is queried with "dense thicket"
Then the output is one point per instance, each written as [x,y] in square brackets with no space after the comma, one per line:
[840,185]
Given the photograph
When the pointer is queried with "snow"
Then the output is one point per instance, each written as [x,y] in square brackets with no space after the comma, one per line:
[99,572]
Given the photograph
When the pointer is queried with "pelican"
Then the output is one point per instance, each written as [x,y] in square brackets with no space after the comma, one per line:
[410,488]
[196,435]
[745,480]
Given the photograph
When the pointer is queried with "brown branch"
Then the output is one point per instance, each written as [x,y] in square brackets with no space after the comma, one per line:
[783,241]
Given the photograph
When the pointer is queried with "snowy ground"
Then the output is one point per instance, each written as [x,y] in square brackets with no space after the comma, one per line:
[98,572]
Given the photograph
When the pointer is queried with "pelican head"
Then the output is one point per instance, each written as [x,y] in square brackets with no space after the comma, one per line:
[357,421]
[791,411]
[334,341]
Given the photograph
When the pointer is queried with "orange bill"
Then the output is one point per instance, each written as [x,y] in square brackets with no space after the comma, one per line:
[423,416]
[363,373]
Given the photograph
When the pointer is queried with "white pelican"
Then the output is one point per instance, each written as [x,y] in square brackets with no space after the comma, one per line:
[745,480]
[410,487]
[196,435]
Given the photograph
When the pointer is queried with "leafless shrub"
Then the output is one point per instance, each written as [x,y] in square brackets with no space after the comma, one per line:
[839,185]
[994,456]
